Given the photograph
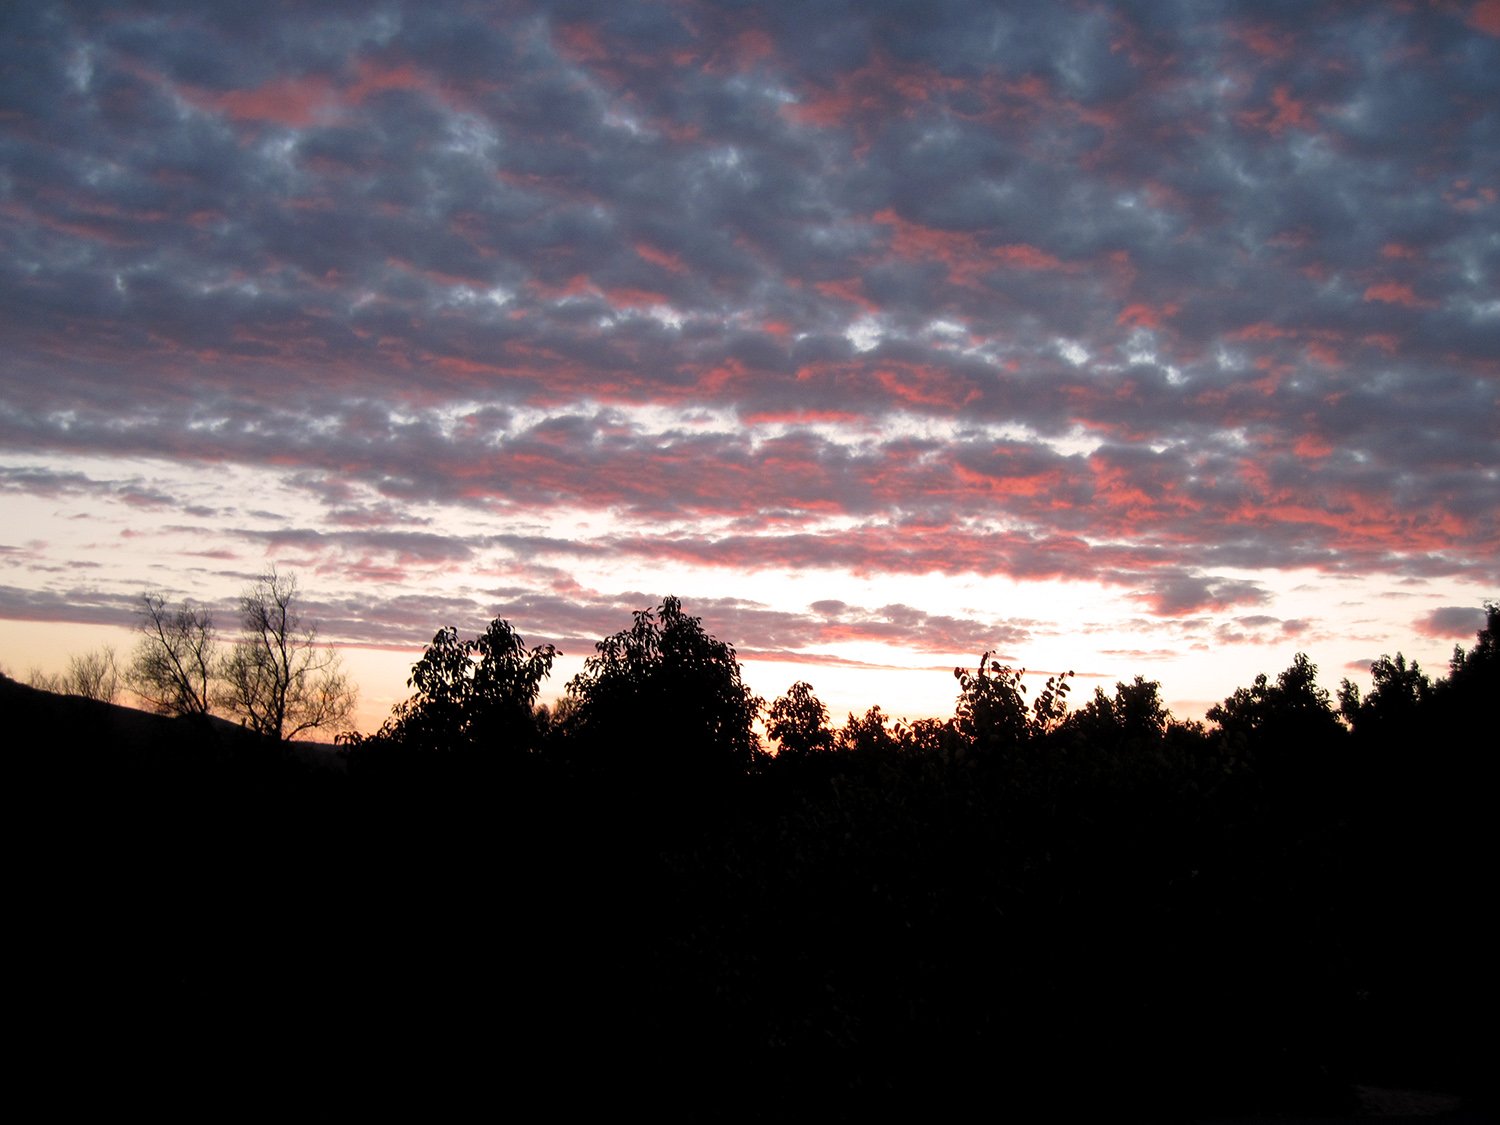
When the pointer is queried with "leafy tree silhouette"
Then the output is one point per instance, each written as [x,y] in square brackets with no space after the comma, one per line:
[1479,668]
[664,698]
[473,697]
[478,692]
[799,722]
[1135,714]
[870,734]
[1397,693]
[1465,701]
[991,712]
[1292,712]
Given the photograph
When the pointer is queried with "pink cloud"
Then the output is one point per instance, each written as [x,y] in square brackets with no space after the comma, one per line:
[1485,16]
[1396,293]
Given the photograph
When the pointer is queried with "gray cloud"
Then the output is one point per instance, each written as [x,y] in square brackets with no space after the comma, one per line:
[1451,621]
[442,255]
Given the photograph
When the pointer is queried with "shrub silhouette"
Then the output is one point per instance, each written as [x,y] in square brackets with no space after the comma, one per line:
[94,675]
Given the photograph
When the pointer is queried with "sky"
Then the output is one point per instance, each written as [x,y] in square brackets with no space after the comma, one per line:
[1148,337]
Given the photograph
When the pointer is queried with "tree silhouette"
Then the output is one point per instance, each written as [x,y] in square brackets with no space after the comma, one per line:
[667,696]
[819,902]
[1397,693]
[473,694]
[1294,711]
[94,675]
[799,722]
[277,678]
[991,712]
[1134,714]
[1480,665]
[173,667]
[870,733]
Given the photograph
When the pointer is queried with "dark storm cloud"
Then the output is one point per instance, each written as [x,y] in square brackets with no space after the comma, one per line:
[1250,248]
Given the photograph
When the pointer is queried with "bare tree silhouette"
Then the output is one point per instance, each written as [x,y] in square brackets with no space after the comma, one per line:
[278,679]
[173,667]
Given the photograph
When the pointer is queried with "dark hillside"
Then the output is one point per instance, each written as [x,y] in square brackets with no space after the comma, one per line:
[174,863]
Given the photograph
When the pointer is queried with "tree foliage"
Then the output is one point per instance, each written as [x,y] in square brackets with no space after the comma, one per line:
[1480,665]
[278,679]
[992,712]
[1397,692]
[818,900]
[668,694]
[473,694]
[799,722]
[872,734]
[1134,714]
[174,664]
[1294,711]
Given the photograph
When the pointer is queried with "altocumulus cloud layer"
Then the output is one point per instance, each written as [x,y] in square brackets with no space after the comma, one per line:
[1149,294]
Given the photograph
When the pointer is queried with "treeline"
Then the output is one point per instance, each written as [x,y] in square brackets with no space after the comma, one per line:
[663,704]
[1065,906]
[1262,908]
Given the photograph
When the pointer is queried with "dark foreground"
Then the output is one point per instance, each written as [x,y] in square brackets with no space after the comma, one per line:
[1153,931]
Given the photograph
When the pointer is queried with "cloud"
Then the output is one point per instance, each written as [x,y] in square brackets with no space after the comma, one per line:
[1167,297]
[1135,655]
[576,618]
[1180,594]
[77,604]
[1260,628]
[1451,621]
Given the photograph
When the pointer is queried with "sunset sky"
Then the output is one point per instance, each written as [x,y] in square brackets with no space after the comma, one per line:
[1141,337]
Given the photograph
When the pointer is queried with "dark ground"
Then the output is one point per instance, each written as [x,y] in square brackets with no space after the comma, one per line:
[790,944]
